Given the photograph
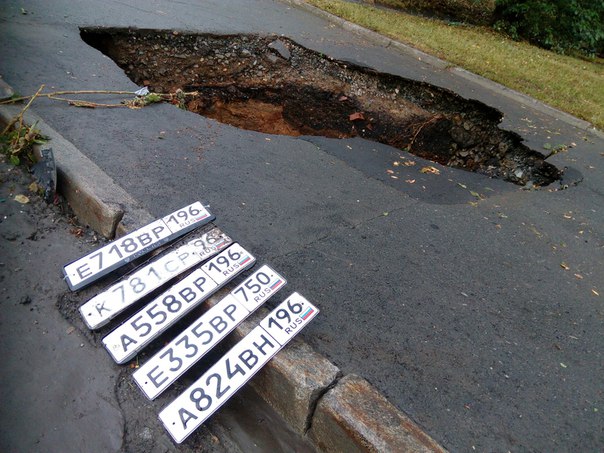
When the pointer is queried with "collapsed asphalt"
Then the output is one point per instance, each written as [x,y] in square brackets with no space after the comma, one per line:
[479,316]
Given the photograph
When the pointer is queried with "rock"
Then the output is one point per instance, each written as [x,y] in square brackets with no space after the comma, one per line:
[281,49]
[272,58]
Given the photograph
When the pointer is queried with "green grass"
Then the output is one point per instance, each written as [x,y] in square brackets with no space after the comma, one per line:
[570,84]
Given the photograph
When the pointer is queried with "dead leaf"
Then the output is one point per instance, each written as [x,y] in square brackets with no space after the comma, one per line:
[579,276]
[356,116]
[473,203]
[77,232]
[563,365]
[430,169]
[21,199]
[564,266]
[343,98]
[33,187]
[70,330]
[463,186]
[475,194]
[595,292]
[409,163]
[394,177]
[396,163]
[410,181]
[390,172]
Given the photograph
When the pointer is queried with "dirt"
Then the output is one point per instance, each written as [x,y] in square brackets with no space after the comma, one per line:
[273,85]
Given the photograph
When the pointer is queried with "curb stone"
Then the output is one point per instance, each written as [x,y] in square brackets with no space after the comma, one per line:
[296,371]
[442,64]
[6,92]
[94,197]
[354,417]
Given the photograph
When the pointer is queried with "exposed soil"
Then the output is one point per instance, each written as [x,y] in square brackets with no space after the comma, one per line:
[273,85]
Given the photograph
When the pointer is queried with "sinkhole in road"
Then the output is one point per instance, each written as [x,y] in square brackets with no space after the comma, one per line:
[273,85]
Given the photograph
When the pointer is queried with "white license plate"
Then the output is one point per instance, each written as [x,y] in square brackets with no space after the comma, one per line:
[189,410]
[105,306]
[147,324]
[161,370]
[127,248]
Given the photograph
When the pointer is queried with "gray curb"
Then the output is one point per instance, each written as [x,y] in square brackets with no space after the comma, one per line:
[94,197]
[354,417]
[5,90]
[442,64]
[300,384]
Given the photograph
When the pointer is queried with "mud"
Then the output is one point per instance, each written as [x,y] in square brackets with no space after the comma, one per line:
[273,85]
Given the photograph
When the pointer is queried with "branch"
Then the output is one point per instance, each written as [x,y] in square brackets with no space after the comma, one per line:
[20,116]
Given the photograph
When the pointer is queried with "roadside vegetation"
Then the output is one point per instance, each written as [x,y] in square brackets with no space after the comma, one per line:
[574,84]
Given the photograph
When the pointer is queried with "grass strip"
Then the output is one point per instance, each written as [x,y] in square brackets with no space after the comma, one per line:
[567,83]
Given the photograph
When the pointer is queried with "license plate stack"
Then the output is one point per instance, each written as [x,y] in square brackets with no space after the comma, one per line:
[199,260]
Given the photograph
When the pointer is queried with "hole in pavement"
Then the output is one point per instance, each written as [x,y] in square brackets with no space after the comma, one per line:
[273,85]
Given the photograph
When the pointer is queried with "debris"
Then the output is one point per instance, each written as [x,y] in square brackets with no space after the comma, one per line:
[410,181]
[563,365]
[45,171]
[77,232]
[356,116]
[579,276]
[281,49]
[25,300]
[430,169]
[595,293]
[343,98]
[409,163]
[144,91]
[70,330]
[390,172]
[564,266]
[21,199]
[463,186]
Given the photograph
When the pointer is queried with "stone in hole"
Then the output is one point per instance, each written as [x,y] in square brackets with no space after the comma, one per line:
[246,81]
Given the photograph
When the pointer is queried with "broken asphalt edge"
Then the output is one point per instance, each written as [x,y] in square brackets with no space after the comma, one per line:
[445,65]
[335,413]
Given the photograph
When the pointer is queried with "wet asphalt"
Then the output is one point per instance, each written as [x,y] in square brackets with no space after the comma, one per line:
[480,317]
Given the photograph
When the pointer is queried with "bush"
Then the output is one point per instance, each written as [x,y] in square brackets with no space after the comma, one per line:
[559,25]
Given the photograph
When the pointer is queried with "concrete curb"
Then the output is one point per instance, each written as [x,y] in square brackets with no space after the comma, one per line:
[94,197]
[6,92]
[442,64]
[304,387]
[354,417]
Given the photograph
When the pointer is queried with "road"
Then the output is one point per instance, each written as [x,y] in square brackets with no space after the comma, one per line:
[480,318]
